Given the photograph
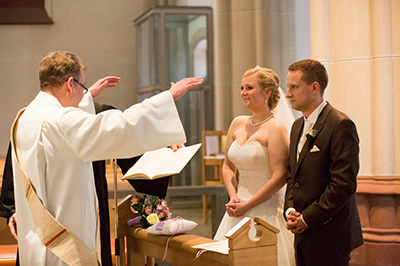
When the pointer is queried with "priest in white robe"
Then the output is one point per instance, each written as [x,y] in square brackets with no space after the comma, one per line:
[56,142]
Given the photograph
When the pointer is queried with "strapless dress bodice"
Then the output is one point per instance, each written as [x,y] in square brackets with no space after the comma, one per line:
[251,160]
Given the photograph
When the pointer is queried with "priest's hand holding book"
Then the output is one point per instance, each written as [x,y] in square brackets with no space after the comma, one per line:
[162,162]
[176,147]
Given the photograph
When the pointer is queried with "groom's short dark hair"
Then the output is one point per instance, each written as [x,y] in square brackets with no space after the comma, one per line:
[312,70]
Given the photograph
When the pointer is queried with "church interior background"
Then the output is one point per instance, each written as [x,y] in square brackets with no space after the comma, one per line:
[150,43]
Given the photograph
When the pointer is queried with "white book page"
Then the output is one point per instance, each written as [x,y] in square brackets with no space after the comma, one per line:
[147,163]
[219,247]
[163,161]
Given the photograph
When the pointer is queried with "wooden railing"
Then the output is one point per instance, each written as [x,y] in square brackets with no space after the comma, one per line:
[143,248]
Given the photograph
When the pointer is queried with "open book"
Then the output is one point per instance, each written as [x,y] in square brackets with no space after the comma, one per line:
[161,162]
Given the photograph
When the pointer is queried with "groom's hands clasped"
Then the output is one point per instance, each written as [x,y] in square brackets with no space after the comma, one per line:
[295,223]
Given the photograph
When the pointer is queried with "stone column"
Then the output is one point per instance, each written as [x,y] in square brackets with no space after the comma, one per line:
[222,65]
[248,33]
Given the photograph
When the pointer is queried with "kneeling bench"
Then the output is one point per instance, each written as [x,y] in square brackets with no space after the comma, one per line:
[141,244]
[8,255]
[143,248]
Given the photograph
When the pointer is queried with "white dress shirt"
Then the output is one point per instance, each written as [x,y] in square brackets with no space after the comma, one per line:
[309,122]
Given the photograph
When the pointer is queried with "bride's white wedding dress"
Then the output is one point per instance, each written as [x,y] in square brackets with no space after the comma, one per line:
[251,160]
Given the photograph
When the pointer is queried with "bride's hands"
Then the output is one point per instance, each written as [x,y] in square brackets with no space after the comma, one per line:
[237,208]
[231,206]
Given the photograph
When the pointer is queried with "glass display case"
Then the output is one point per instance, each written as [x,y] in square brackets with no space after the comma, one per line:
[174,43]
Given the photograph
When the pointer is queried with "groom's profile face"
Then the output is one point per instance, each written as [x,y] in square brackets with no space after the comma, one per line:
[299,92]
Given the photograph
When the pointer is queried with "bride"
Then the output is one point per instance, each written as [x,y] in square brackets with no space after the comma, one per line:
[257,147]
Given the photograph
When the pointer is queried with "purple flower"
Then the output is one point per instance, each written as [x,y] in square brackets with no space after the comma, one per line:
[134,221]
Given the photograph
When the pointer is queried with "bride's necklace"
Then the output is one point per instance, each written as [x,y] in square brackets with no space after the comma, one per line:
[259,123]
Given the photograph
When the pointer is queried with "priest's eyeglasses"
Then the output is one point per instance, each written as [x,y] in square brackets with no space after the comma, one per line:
[83,86]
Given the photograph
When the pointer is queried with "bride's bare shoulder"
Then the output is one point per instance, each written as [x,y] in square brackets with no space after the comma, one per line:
[239,121]
[277,124]
[242,119]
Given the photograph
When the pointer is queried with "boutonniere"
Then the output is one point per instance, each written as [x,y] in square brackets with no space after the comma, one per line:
[311,133]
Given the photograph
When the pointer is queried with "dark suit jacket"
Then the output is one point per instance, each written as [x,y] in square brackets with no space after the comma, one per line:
[322,184]
[7,206]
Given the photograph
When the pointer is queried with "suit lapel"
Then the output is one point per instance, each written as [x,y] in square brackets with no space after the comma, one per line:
[319,125]
[295,138]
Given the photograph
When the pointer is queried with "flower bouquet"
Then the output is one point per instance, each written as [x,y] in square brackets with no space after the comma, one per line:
[151,210]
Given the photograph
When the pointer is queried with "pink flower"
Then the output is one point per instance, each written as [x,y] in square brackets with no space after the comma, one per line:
[148,210]
[167,212]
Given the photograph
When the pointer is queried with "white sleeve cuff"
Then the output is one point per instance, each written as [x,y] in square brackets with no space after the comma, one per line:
[87,103]
[289,210]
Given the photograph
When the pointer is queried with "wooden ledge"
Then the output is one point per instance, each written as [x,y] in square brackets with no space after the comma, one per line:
[181,241]
[8,254]
[179,252]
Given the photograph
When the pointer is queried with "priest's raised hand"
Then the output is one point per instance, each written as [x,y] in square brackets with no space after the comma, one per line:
[181,87]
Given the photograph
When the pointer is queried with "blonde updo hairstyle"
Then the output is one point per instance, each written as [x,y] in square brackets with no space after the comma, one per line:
[268,80]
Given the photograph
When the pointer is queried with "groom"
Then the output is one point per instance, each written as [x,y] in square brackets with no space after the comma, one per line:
[320,202]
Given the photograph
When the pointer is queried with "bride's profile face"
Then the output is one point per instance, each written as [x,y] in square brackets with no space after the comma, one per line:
[252,95]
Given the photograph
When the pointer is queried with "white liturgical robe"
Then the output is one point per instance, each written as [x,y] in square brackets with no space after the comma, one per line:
[56,146]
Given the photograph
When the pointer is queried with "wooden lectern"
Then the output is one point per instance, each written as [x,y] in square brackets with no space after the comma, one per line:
[143,248]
